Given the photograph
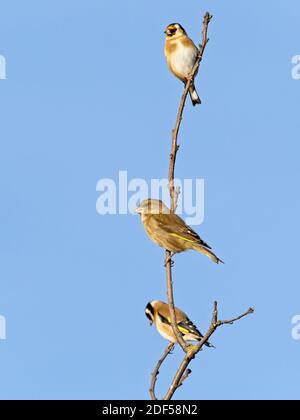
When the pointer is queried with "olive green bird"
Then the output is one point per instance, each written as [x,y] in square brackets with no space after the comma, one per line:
[169,231]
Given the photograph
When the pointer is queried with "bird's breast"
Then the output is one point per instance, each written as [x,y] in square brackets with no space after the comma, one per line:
[181,58]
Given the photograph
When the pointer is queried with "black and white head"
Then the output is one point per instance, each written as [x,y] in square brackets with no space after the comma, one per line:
[149,312]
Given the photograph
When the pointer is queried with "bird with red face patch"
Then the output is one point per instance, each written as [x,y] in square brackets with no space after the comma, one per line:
[181,54]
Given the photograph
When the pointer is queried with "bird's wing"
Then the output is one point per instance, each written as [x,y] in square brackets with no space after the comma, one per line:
[187,326]
[184,324]
[175,226]
[164,312]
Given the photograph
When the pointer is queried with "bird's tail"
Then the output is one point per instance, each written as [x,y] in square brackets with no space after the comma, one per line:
[208,344]
[208,253]
[194,95]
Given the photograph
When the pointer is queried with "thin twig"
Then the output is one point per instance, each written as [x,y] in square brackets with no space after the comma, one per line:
[155,373]
[171,303]
[184,377]
[193,350]
[174,193]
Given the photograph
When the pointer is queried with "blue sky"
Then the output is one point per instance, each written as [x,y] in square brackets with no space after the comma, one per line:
[88,94]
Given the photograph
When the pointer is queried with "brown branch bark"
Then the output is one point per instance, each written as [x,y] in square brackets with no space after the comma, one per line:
[190,351]
[173,192]
[181,373]
[184,377]
[155,373]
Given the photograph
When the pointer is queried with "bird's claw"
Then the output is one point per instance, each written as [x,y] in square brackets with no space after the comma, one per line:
[169,260]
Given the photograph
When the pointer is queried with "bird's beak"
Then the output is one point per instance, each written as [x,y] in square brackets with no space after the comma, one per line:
[138,210]
[168,32]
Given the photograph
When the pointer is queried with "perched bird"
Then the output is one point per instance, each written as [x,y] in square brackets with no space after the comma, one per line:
[169,231]
[158,313]
[181,55]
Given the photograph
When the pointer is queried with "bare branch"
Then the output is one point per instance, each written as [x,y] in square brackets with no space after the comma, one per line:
[155,373]
[170,294]
[174,193]
[232,321]
[184,377]
[193,350]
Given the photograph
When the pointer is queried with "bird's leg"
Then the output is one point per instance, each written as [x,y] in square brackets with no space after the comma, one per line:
[169,259]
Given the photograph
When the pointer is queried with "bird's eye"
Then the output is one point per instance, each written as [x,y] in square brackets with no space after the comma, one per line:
[171,30]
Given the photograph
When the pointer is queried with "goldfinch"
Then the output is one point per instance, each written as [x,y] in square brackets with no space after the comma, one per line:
[169,231]
[181,54]
[158,313]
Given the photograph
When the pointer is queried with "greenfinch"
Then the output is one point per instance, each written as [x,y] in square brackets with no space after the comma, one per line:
[169,231]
